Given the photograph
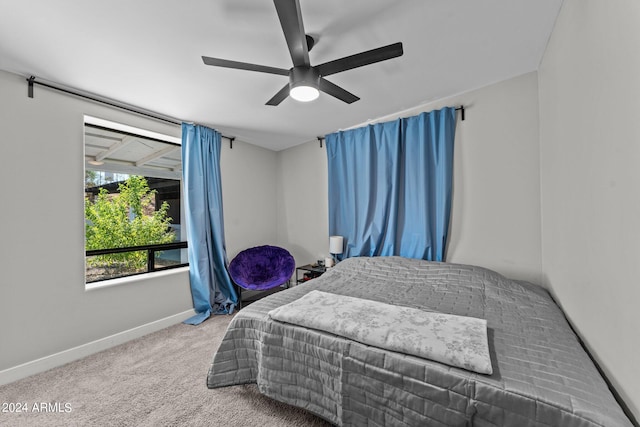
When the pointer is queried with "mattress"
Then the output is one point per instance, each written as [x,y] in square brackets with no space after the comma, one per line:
[541,374]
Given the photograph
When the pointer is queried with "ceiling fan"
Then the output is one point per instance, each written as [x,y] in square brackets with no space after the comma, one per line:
[305,80]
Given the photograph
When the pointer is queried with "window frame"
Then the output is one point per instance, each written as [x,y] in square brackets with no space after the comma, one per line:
[151,268]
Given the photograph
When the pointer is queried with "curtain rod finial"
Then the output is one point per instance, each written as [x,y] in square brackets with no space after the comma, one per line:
[30,80]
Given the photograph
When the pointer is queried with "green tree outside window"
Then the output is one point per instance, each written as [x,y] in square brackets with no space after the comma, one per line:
[123,220]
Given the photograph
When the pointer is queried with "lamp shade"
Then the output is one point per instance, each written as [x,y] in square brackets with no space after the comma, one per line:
[335,244]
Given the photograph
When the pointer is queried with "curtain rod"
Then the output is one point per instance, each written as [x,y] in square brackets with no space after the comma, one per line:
[460,108]
[32,80]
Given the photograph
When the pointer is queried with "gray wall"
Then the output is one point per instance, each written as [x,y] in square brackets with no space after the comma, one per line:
[496,204]
[590,170]
[249,195]
[302,225]
[44,307]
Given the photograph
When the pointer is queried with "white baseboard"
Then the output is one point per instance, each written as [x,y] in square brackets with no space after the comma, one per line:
[58,359]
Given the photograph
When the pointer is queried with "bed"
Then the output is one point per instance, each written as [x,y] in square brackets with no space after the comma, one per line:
[540,374]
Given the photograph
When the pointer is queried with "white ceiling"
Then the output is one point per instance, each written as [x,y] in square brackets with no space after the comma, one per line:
[147,53]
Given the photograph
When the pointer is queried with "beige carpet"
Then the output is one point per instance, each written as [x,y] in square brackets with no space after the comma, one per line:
[157,380]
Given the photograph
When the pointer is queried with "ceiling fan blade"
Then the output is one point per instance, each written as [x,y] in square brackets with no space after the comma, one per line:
[291,22]
[360,59]
[217,62]
[336,91]
[280,96]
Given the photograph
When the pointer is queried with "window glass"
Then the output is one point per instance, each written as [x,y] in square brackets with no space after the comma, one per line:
[133,200]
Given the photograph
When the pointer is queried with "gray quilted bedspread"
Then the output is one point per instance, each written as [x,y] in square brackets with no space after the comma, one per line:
[541,374]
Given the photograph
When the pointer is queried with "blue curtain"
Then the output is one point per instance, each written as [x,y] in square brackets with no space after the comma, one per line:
[390,186]
[211,287]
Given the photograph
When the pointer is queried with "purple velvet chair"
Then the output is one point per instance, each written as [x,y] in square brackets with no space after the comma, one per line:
[262,267]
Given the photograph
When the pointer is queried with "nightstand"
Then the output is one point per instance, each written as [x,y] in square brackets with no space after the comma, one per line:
[307,272]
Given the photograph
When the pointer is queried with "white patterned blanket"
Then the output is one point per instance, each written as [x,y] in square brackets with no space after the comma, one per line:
[454,340]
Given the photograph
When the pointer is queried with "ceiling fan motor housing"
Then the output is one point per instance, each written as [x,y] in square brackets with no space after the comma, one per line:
[304,83]
[304,76]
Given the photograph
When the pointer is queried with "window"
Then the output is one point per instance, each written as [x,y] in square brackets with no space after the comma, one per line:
[133,201]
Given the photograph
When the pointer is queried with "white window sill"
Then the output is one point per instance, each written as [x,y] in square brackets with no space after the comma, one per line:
[134,279]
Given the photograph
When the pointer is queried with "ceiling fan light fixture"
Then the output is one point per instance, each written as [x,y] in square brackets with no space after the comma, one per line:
[304,93]
[304,83]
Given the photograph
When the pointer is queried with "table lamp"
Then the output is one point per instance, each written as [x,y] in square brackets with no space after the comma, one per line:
[335,247]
